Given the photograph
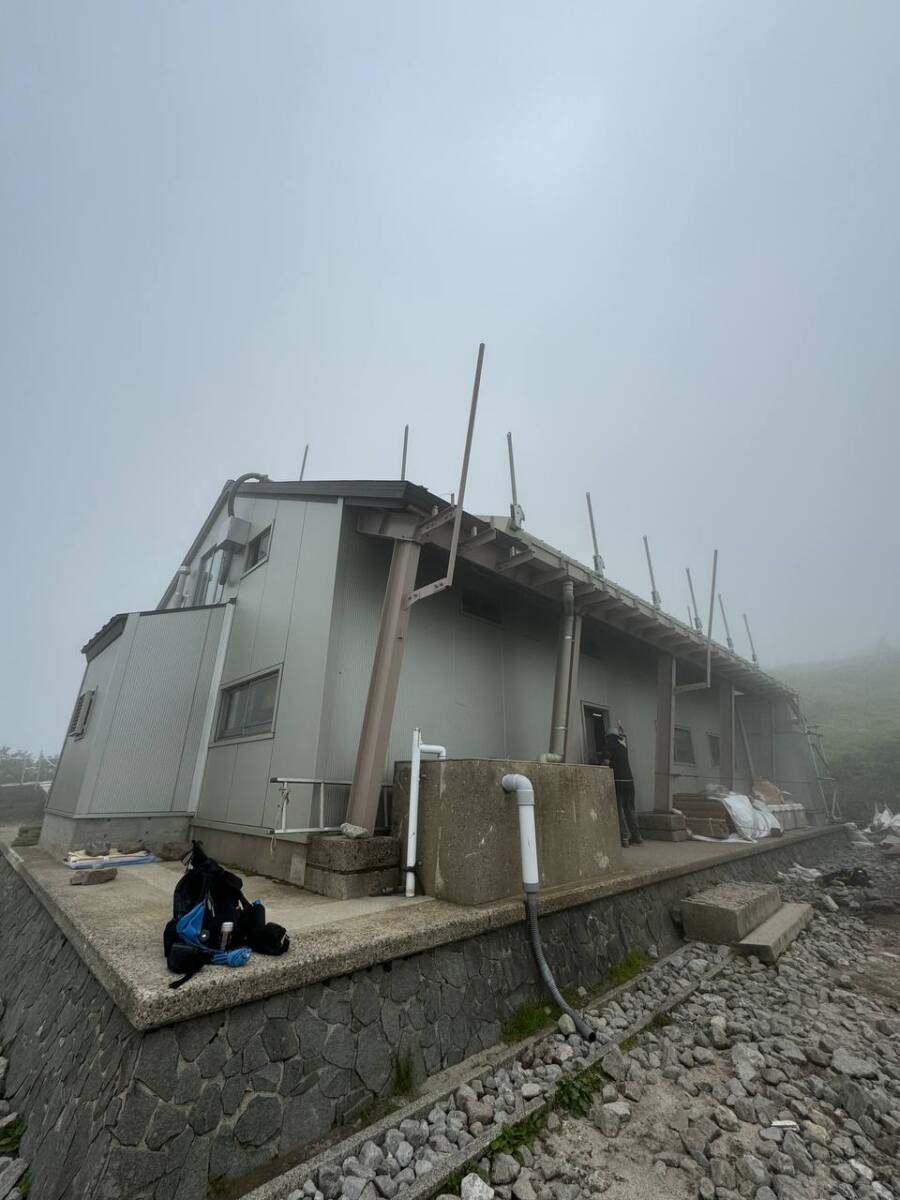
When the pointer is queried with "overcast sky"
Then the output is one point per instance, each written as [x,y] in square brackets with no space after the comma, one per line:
[229,229]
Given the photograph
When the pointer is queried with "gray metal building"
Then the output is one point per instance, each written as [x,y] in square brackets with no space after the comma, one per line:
[258,661]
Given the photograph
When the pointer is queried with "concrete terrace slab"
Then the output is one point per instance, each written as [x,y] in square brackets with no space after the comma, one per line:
[117,928]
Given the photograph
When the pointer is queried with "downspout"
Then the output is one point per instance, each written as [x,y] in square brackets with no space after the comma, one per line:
[412,823]
[524,792]
[559,724]
[181,575]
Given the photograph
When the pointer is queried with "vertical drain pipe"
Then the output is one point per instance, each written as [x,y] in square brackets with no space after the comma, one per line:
[524,792]
[412,821]
[559,725]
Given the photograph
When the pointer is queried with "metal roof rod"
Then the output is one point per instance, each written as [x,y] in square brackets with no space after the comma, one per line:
[516,513]
[441,585]
[707,683]
[405,445]
[303,464]
[697,623]
[728,637]
[654,594]
[599,564]
[750,639]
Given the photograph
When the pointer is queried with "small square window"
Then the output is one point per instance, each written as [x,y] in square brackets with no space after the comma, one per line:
[258,549]
[714,749]
[80,714]
[684,746]
[248,708]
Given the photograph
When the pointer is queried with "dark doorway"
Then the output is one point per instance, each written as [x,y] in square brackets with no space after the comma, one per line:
[596,726]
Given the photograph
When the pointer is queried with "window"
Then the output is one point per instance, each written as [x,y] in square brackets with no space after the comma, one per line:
[258,549]
[714,751]
[80,714]
[248,708]
[204,576]
[684,745]
[482,606]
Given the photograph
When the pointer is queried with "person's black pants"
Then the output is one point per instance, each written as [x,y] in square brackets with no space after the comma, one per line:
[629,830]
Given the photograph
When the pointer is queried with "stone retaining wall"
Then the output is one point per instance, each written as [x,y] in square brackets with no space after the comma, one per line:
[121,1115]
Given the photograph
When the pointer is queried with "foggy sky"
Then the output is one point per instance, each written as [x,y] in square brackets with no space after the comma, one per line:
[229,229]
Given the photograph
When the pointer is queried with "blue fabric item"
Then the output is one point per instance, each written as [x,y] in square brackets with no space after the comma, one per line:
[190,927]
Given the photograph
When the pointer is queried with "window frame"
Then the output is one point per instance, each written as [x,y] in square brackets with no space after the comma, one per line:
[234,685]
[684,762]
[268,529]
[81,714]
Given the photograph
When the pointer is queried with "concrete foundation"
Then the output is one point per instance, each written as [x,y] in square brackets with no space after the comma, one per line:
[468,828]
[62,833]
[727,913]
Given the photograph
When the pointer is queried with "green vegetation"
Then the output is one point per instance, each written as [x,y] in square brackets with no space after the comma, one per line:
[575,1094]
[11,1137]
[511,1137]
[531,1018]
[856,704]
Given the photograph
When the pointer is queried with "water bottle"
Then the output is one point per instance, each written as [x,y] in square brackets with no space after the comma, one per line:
[227,929]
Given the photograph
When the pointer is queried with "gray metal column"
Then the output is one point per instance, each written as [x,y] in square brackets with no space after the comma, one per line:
[665,733]
[376,727]
[559,723]
[726,735]
[575,734]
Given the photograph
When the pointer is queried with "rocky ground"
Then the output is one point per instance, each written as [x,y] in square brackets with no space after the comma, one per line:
[12,1168]
[766,1083]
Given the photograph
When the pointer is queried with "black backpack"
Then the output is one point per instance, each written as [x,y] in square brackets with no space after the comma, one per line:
[221,893]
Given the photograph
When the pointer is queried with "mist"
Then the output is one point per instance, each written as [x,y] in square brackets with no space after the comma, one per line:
[229,230]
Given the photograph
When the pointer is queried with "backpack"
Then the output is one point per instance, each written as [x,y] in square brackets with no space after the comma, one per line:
[206,897]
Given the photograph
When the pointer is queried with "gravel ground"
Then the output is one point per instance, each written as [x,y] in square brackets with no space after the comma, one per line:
[767,1083]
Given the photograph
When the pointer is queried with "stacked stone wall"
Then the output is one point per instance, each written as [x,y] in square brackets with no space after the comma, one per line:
[118,1114]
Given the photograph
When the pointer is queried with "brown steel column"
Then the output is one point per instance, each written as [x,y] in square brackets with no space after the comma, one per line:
[726,735]
[383,682]
[574,734]
[665,733]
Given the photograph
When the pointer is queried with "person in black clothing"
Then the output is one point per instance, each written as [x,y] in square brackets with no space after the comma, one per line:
[617,753]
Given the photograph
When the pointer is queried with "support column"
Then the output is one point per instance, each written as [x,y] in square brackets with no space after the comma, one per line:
[726,735]
[663,824]
[665,733]
[559,724]
[575,736]
[383,683]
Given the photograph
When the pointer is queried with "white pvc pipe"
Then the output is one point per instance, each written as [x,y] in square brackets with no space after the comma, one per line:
[521,785]
[418,749]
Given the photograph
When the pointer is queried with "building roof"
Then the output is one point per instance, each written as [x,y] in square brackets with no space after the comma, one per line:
[520,558]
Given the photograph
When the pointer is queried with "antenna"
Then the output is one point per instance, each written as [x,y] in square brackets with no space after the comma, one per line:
[654,594]
[303,464]
[698,624]
[405,444]
[516,514]
[599,565]
[706,683]
[728,637]
[750,638]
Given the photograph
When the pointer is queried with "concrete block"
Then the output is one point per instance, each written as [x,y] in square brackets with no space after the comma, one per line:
[468,837]
[773,936]
[337,853]
[351,885]
[727,913]
[91,875]
[663,826]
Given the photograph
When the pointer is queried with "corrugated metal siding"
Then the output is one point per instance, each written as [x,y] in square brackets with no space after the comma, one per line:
[162,688]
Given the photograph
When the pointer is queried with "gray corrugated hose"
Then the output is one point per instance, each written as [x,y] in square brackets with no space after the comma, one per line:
[524,792]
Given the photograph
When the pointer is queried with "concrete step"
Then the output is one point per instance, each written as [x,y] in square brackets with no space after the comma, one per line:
[774,936]
[728,912]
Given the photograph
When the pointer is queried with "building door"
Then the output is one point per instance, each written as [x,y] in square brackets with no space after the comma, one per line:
[596,727]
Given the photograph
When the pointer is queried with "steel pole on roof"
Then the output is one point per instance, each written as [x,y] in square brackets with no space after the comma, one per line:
[698,624]
[654,594]
[728,637]
[405,444]
[599,565]
[516,515]
[750,639]
[303,464]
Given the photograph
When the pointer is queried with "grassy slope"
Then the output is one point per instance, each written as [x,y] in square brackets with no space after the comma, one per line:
[856,703]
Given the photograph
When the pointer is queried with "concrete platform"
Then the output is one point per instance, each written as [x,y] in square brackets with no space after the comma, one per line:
[774,936]
[728,912]
[116,928]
